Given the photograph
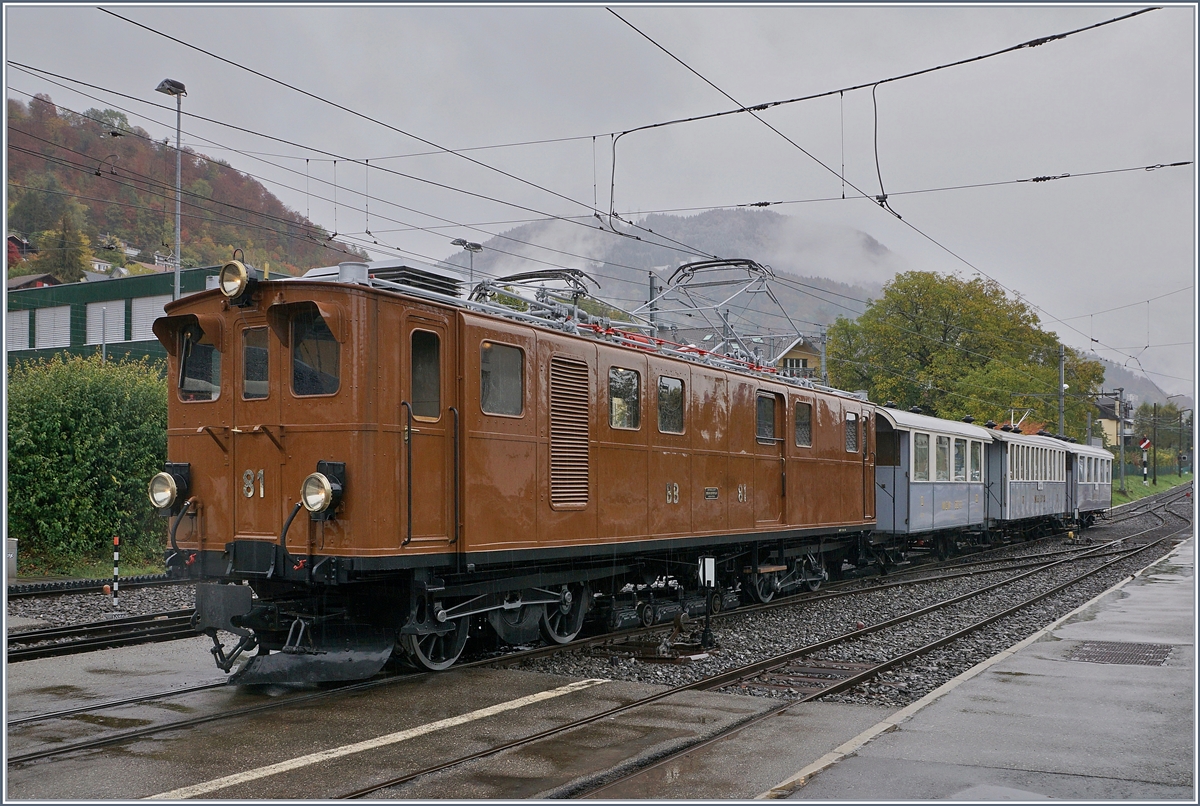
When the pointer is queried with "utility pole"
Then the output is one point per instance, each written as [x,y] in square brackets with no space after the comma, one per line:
[1154,443]
[824,370]
[653,304]
[1062,388]
[1121,431]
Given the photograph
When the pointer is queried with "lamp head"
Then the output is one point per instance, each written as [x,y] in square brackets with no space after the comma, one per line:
[169,86]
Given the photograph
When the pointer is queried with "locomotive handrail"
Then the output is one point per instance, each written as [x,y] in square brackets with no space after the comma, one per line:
[408,415]
[457,507]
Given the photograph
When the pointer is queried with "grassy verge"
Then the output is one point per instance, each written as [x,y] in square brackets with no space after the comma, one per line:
[1134,489]
[133,563]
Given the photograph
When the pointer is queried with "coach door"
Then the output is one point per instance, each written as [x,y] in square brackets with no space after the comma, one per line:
[430,416]
[769,464]
[257,440]
[868,464]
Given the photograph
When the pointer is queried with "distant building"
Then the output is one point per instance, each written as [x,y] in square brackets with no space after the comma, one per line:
[801,358]
[1110,423]
[24,248]
[77,318]
[32,281]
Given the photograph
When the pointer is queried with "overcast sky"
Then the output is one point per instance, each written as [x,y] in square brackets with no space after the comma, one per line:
[1118,97]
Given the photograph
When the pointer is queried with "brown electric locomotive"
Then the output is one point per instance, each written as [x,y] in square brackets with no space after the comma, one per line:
[362,459]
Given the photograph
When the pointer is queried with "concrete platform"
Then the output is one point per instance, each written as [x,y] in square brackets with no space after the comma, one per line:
[1037,721]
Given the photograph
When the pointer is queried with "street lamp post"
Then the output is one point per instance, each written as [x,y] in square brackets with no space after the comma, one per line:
[471,248]
[1179,453]
[169,86]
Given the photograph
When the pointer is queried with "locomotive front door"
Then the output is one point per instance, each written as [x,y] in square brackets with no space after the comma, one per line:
[769,462]
[430,416]
[257,450]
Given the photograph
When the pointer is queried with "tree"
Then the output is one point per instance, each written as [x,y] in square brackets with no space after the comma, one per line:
[83,439]
[957,348]
[64,251]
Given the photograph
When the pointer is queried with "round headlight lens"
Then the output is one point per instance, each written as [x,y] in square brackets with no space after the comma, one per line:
[233,279]
[316,493]
[162,490]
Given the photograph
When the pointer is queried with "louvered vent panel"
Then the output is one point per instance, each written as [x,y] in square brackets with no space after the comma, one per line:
[569,404]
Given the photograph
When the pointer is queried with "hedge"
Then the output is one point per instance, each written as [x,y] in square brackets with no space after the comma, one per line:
[84,438]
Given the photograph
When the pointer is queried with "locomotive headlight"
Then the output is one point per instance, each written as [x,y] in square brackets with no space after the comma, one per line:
[316,493]
[321,492]
[234,279]
[169,488]
[163,490]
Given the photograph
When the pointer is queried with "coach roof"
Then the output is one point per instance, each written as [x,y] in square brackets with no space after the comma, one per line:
[907,421]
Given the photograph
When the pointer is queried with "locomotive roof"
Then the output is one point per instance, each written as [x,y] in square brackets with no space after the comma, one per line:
[909,421]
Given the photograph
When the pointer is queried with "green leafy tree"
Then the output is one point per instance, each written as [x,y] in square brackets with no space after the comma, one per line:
[956,347]
[83,438]
[64,251]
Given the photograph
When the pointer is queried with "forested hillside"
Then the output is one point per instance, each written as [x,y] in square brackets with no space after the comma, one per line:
[86,184]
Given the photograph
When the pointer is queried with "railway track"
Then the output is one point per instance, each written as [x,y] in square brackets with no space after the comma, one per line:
[56,641]
[57,586]
[845,674]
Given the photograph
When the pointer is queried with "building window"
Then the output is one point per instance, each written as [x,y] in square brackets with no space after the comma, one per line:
[920,457]
[106,322]
[501,379]
[624,398]
[52,327]
[804,425]
[670,405]
[17,330]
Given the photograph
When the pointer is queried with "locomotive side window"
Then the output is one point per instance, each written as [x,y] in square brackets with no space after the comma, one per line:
[254,363]
[426,370]
[670,405]
[199,367]
[851,432]
[976,461]
[943,459]
[804,425]
[624,398]
[501,379]
[920,457]
[960,460]
[765,426]
[315,355]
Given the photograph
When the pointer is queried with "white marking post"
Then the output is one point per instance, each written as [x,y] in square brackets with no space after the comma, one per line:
[369,744]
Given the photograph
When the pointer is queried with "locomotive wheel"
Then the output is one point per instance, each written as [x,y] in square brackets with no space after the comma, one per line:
[763,587]
[715,602]
[561,622]
[436,652]
[813,565]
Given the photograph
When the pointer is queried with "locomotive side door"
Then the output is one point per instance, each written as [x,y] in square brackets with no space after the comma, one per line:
[429,414]
[257,449]
[868,460]
[769,462]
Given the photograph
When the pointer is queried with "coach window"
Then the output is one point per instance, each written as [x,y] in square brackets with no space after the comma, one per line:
[960,460]
[920,457]
[426,370]
[315,355]
[254,363]
[765,420]
[804,425]
[670,405]
[976,461]
[851,432]
[501,379]
[943,459]
[624,398]
[199,367]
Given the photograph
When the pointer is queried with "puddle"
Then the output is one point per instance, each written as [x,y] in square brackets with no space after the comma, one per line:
[111,721]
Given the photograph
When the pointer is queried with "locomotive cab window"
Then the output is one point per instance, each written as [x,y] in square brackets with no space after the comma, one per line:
[316,355]
[624,398]
[254,363]
[804,425]
[426,369]
[670,405]
[765,420]
[501,379]
[199,367]
[920,457]
[851,432]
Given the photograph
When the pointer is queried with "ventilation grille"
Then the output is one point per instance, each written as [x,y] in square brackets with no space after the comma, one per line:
[1119,652]
[416,278]
[569,410]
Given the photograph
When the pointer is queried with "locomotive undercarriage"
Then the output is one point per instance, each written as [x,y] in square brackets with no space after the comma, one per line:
[322,620]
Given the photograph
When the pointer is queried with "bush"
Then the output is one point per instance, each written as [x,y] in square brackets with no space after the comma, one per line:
[84,438]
